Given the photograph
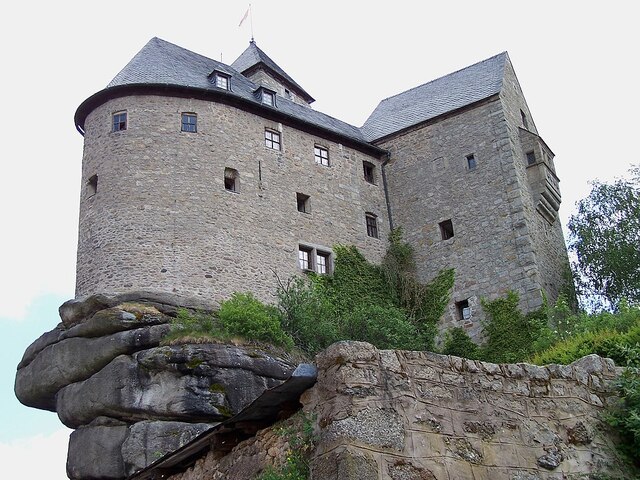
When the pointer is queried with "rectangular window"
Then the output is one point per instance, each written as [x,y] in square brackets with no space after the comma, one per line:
[272,139]
[322,155]
[323,262]
[471,162]
[463,309]
[268,98]
[189,122]
[92,185]
[231,179]
[304,257]
[531,157]
[372,225]
[446,229]
[119,121]
[222,81]
[369,169]
[303,203]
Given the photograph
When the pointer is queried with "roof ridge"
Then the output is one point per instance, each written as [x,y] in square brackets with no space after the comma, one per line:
[504,53]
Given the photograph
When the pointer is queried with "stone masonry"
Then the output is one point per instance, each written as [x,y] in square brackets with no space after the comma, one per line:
[398,415]
[162,219]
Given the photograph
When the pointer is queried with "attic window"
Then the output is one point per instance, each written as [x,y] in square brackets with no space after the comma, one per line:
[220,80]
[268,98]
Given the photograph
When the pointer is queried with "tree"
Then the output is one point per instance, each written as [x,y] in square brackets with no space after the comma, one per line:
[605,236]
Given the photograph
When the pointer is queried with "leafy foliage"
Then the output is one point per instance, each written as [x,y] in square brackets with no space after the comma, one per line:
[626,415]
[381,304]
[458,343]
[605,236]
[246,316]
[510,333]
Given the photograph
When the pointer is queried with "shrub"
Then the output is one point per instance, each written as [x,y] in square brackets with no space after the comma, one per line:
[625,416]
[510,334]
[195,326]
[458,343]
[247,317]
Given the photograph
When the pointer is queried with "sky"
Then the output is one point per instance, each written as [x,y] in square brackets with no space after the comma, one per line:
[576,63]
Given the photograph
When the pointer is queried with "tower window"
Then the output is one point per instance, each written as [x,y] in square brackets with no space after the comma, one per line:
[311,259]
[446,229]
[369,169]
[119,121]
[471,162]
[231,180]
[304,257]
[272,139]
[531,157]
[303,203]
[92,185]
[189,122]
[372,225]
[463,309]
[321,155]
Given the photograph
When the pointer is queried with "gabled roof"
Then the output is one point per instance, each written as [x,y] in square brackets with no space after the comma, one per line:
[445,94]
[253,58]
[163,65]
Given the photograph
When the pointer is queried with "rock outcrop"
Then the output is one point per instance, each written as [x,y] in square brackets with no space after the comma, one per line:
[130,399]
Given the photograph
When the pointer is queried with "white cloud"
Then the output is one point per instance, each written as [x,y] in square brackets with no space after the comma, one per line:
[41,456]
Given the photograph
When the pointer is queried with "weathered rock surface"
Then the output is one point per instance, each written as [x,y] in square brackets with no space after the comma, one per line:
[131,400]
[398,415]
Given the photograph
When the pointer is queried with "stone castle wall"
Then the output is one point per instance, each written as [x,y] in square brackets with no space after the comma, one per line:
[430,181]
[162,220]
[399,415]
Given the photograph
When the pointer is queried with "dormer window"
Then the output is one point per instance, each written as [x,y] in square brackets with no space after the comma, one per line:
[221,80]
[268,97]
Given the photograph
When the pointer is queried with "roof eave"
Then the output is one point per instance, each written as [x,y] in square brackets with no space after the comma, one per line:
[222,96]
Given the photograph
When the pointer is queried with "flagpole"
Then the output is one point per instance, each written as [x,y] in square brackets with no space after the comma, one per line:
[251,20]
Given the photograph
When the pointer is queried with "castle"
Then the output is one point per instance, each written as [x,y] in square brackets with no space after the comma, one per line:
[203,179]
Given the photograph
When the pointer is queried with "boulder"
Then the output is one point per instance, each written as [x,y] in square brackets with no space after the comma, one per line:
[193,383]
[95,453]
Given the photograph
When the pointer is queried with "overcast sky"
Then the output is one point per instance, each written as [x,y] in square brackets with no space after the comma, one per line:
[576,63]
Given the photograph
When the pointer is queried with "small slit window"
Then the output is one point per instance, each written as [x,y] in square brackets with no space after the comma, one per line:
[303,203]
[189,122]
[525,123]
[369,172]
[372,225]
[272,139]
[471,162]
[119,122]
[231,180]
[92,185]
[446,229]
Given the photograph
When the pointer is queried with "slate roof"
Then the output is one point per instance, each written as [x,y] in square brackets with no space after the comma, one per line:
[160,63]
[254,56]
[440,96]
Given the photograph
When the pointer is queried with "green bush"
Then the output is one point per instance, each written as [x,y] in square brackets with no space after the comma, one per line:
[625,416]
[196,326]
[386,327]
[511,335]
[245,316]
[458,343]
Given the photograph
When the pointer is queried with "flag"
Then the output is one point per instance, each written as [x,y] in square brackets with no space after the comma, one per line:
[246,14]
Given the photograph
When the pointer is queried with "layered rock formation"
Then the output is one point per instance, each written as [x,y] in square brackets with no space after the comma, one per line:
[131,401]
